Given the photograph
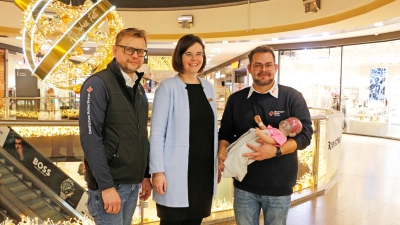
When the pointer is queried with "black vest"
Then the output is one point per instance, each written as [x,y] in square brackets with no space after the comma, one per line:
[125,137]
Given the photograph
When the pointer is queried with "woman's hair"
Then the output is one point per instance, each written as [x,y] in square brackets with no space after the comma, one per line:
[183,44]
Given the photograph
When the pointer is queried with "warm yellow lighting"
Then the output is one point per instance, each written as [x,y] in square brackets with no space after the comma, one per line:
[160,63]
[70,27]
[46,131]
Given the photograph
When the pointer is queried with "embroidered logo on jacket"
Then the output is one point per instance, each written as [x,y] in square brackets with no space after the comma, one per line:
[275,113]
[89,121]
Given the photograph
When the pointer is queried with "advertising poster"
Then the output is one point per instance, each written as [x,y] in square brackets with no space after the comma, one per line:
[377,84]
[43,169]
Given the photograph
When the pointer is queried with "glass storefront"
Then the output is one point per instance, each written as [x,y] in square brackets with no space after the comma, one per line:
[362,81]
[371,89]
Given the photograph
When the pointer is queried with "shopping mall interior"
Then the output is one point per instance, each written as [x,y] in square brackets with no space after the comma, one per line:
[343,56]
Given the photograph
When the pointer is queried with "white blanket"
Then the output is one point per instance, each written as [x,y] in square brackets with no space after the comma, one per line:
[235,164]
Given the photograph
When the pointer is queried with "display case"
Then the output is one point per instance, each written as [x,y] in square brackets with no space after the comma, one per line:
[319,163]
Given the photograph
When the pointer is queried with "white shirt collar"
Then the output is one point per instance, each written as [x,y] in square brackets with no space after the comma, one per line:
[273,91]
[129,81]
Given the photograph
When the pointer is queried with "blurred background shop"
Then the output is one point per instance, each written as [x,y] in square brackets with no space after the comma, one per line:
[361,80]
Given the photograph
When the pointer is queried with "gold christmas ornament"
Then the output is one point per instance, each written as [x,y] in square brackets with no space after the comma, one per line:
[66,19]
[79,50]
[69,27]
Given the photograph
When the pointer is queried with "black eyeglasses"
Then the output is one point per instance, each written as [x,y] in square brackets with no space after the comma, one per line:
[130,51]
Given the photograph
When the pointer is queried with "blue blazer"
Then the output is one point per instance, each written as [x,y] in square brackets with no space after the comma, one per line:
[169,139]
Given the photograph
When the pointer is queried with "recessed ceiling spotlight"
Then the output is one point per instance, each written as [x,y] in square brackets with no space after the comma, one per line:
[275,39]
[225,42]
[86,48]
[325,33]
[378,24]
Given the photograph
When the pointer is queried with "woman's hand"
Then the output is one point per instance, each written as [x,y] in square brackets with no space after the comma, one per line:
[160,183]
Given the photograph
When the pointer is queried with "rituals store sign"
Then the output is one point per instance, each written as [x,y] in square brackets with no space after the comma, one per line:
[25,83]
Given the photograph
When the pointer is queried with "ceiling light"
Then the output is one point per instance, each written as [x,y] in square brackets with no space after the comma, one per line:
[19,38]
[225,42]
[378,24]
[275,39]
[325,33]
[216,50]
[174,43]
[86,48]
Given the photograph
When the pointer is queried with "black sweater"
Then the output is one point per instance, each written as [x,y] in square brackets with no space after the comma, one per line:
[275,176]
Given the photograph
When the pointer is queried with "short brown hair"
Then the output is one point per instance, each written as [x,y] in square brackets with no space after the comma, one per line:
[261,48]
[133,32]
[183,44]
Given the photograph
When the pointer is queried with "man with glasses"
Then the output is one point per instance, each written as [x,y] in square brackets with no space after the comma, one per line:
[113,131]
[269,181]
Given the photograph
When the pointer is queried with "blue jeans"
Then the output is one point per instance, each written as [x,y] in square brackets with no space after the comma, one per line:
[247,208]
[128,194]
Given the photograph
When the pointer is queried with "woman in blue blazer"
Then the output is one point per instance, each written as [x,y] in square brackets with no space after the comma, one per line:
[183,140]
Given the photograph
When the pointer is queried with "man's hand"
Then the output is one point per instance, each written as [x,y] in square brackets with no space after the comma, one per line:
[160,183]
[265,151]
[222,153]
[112,201]
[219,176]
[146,189]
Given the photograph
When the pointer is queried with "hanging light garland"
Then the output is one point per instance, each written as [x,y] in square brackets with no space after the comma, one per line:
[53,32]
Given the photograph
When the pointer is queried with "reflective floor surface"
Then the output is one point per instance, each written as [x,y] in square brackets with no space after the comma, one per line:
[367,192]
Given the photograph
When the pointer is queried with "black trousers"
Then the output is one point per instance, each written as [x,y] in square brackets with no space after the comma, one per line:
[182,222]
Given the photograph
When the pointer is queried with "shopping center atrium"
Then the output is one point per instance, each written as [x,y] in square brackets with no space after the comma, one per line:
[343,56]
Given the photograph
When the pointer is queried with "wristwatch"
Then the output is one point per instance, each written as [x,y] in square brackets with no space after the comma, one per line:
[278,152]
[67,188]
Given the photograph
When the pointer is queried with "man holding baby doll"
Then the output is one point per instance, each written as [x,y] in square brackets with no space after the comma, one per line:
[269,180]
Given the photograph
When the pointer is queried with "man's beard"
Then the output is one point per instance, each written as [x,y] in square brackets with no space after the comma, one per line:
[264,82]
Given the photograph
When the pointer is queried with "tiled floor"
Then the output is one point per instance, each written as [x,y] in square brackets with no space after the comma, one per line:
[367,192]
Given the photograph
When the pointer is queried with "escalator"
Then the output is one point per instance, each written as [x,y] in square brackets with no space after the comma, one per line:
[32,186]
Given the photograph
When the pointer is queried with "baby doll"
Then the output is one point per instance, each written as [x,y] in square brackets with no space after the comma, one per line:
[287,128]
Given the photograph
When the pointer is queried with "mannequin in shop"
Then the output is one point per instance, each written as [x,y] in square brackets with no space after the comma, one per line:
[335,99]
[50,102]
[289,127]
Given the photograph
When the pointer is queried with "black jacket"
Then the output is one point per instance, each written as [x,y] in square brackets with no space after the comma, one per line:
[113,128]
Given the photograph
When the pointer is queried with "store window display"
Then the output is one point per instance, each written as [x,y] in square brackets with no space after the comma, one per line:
[314,72]
[371,89]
